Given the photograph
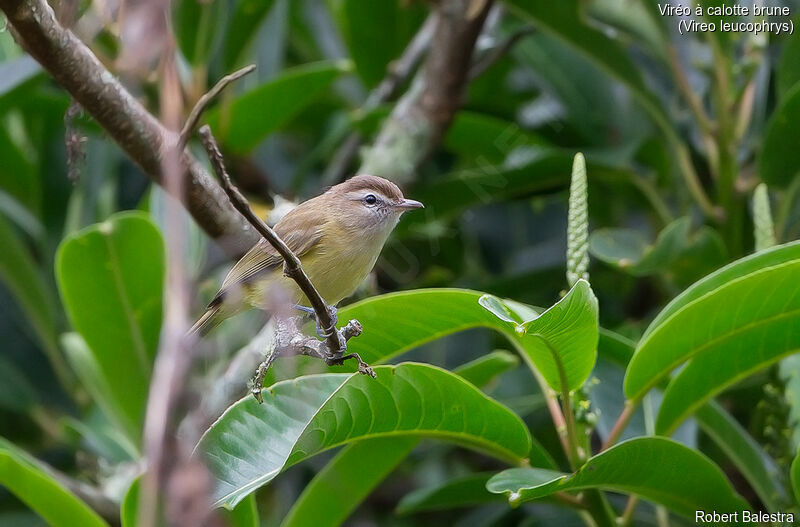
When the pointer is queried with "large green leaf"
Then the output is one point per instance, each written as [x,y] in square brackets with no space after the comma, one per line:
[196,25]
[795,477]
[562,341]
[789,66]
[545,170]
[348,478]
[779,159]
[84,363]
[745,452]
[740,447]
[304,416]
[654,468]
[111,277]
[743,315]
[247,16]
[249,118]
[428,314]
[22,476]
[487,138]
[365,23]
[677,250]
[565,20]
[743,351]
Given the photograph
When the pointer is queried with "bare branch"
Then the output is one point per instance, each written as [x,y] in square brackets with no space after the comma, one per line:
[136,130]
[205,100]
[332,350]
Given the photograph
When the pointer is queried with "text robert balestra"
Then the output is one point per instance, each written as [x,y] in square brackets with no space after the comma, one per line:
[714,517]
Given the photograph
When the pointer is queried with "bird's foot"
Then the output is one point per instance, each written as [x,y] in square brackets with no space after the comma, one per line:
[322,332]
[363,367]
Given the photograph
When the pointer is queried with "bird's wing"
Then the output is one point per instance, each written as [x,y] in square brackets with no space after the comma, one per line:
[299,229]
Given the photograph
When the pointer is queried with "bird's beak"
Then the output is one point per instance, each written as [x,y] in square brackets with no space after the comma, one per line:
[409,204]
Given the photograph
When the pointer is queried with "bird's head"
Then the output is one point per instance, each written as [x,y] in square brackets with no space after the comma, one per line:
[369,204]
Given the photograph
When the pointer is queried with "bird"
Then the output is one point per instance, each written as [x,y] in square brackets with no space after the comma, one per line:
[337,235]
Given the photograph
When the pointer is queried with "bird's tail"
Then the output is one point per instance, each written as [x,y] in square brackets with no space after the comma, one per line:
[210,319]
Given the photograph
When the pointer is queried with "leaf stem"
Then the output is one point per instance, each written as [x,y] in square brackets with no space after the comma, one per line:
[573,453]
[620,424]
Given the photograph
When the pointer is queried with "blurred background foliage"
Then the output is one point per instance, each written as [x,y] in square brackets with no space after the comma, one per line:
[654,112]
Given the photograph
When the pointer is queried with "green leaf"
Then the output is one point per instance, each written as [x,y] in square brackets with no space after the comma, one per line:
[348,478]
[578,224]
[84,363]
[195,22]
[779,159]
[562,341]
[763,228]
[111,277]
[795,476]
[744,316]
[565,20]
[745,452]
[130,503]
[245,514]
[249,118]
[465,491]
[765,333]
[486,368]
[247,17]
[629,250]
[32,485]
[740,447]
[657,469]
[21,274]
[376,33]
[489,139]
[305,416]
[789,65]
[428,314]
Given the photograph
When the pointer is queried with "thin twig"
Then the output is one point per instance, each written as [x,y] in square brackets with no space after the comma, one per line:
[498,52]
[336,340]
[205,100]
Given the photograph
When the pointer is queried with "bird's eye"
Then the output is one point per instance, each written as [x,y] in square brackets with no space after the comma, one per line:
[370,199]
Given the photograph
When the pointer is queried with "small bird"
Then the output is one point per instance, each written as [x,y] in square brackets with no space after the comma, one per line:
[337,236]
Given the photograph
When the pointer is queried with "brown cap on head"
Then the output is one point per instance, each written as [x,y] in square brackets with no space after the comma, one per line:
[367,182]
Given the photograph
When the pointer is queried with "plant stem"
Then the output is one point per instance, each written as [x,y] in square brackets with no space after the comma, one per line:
[573,453]
[630,508]
[620,424]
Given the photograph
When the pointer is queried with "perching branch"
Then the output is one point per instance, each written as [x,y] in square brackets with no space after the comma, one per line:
[335,344]
[122,116]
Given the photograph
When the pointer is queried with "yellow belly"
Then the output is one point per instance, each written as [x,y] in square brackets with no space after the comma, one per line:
[335,270]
